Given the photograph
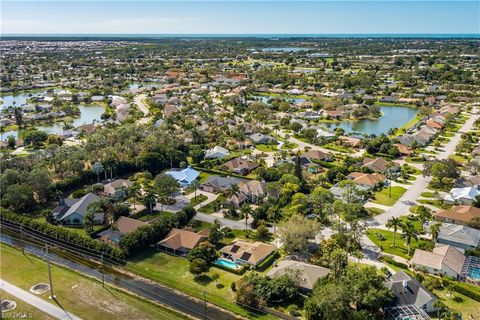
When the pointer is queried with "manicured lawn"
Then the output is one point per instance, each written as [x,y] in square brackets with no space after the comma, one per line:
[469,308]
[210,208]
[428,194]
[333,147]
[173,271]
[22,308]
[387,244]
[382,197]
[198,199]
[203,176]
[81,230]
[84,297]
[266,147]
[374,211]
[435,203]
[416,223]
[289,146]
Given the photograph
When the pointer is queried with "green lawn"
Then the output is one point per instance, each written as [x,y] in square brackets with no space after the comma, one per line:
[84,297]
[469,308]
[145,216]
[289,146]
[266,147]
[333,147]
[416,223]
[81,230]
[198,199]
[428,194]
[382,197]
[210,208]
[173,271]
[435,203]
[23,308]
[374,211]
[203,176]
[387,244]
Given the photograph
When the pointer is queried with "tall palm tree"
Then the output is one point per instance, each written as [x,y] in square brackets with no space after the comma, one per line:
[394,223]
[409,232]
[274,214]
[233,190]
[149,200]
[195,185]
[246,210]
[134,192]
[435,231]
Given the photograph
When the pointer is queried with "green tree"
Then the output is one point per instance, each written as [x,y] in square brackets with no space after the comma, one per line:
[150,200]
[19,198]
[165,186]
[394,223]
[88,222]
[296,232]
[215,234]
[197,267]
[409,232]
[435,231]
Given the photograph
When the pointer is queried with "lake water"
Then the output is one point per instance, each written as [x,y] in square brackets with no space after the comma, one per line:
[393,117]
[87,115]
[19,99]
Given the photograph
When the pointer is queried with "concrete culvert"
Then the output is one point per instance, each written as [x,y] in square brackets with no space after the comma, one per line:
[40,288]
[8,305]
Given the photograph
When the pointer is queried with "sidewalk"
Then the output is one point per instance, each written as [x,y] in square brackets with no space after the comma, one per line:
[42,305]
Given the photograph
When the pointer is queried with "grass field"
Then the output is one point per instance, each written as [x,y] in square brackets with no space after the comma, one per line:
[83,297]
[469,308]
[382,197]
[145,216]
[173,271]
[387,244]
[198,199]
[267,147]
[372,211]
[23,308]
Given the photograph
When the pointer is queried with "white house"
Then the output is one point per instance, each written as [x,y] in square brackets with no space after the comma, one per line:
[465,195]
[216,152]
[445,260]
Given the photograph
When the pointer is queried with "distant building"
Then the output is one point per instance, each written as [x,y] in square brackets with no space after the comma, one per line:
[217,152]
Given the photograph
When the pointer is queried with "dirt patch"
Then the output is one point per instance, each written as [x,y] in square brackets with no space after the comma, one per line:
[40,288]
[8,305]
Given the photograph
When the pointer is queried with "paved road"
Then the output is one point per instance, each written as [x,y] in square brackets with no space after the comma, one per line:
[40,304]
[139,103]
[402,206]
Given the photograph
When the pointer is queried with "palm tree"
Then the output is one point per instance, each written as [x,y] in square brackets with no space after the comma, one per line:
[233,190]
[134,192]
[149,200]
[195,185]
[274,214]
[394,223]
[246,210]
[409,233]
[435,230]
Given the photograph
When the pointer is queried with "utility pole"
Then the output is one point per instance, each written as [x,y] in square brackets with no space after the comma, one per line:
[49,272]
[21,235]
[103,274]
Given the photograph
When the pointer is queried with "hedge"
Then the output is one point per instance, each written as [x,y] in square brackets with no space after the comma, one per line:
[391,261]
[64,235]
[463,288]
[267,262]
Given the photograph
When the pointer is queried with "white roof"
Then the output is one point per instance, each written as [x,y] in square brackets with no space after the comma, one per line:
[463,193]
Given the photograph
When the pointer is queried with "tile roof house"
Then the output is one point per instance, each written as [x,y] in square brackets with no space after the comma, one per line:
[376,165]
[258,138]
[409,292]
[217,184]
[317,155]
[243,252]
[445,260]
[309,273]
[254,190]
[181,241]
[458,214]
[465,195]
[240,166]
[367,179]
[184,177]
[109,188]
[216,152]
[461,237]
[73,211]
[124,226]
[403,149]
[351,141]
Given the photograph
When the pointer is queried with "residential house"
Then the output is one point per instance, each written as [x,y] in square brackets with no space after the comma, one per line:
[464,196]
[444,260]
[403,149]
[308,273]
[409,294]
[124,225]
[317,155]
[254,190]
[458,214]
[459,236]
[216,152]
[351,141]
[324,133]
[184,177]
[243,252]
[368,180]
[240,166]
[181,241]
[109,188]
[73,211]
[377,165]
[218,184]
[258,138]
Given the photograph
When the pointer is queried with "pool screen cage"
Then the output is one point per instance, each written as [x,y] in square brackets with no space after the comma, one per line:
[411,312]
[471,263]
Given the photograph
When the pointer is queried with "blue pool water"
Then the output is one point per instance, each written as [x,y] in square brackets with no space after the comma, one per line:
[227,263]
[474,273]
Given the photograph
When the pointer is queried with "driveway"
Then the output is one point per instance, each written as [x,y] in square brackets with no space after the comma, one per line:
[140,105]
[36,302]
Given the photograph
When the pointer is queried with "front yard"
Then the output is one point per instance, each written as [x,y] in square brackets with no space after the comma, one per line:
[383,198]
[384,240]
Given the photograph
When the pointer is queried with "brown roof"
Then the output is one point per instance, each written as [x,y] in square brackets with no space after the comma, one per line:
[459,213]
[316,155]
[252,187]
[353,142]
[239,163]
[377,164]
[434,124]
[126,224]
[252,253]
[181,238]
[109,188]
[368,179]
[445,255]
[403,149]
[309,273]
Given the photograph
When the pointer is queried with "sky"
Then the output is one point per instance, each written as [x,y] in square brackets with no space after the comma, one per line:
[235,17]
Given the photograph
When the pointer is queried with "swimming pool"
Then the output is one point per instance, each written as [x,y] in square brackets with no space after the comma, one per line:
[227,263]
[474,273]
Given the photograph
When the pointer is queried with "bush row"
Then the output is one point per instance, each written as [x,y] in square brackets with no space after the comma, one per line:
[463,289]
